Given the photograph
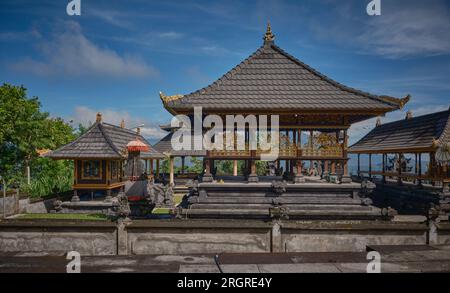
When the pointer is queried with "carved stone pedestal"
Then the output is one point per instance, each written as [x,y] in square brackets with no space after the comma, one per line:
[299,179]
[207,178]
[346,179]
[253,178]
[75,197]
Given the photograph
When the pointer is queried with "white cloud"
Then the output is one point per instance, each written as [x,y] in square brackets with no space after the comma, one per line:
[405,28]
[86,116]
[20,36]
[112,17]
[170,35]
[70,53]
[410,29]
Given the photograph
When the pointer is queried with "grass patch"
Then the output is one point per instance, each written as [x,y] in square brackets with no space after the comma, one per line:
[83,217]
[161,211]
[177,198]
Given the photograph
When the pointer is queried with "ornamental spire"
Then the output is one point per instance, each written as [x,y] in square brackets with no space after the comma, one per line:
[98,118]
[269,36]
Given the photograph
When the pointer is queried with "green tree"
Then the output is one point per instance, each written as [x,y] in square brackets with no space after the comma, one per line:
[196,165]
[20,118]
[261,168]
[224,167]
[25,130]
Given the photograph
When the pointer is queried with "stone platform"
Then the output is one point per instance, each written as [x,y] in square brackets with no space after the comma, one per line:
[394,259]
[311,200]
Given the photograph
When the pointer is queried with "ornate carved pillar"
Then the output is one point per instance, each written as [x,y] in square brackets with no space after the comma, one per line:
[359,165]
[235,167]
[207,176]
[171,171]
[399,179]
[345,176]
[325,168]
[75,172]
[333,168]
[253,177]
[299,178]
[445,187]
[432,170]
[419,182]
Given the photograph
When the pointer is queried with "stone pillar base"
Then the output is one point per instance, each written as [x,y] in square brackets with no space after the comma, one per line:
[207,178]
[253,178]
[333,178]
[346,179]
[445,188]
[299,179]
[75,198]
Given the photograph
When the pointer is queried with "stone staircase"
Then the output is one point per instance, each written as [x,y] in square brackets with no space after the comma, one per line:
[313,200]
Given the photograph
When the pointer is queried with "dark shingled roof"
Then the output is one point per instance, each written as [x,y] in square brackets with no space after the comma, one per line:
[101,140]
[271,79]
[407,134]
[165,146]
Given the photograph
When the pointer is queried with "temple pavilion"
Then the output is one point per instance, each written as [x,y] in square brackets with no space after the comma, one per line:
[100,155]
[426,139]
[314,111]
[164,146]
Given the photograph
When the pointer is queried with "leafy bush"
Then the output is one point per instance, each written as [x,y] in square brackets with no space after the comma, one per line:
[49,177]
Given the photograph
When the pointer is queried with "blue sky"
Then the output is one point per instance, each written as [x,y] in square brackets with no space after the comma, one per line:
[118,55]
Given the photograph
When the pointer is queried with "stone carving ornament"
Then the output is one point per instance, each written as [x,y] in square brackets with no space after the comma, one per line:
[161,195]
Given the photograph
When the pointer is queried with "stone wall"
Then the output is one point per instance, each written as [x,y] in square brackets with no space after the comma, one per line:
[57,238]
[208,236]
[162,237]
[442,234]
[342,236]
[12,205]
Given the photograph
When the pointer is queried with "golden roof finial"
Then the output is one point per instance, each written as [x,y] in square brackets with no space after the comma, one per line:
[269,36]
[138,131]
[122,123]
[99,117]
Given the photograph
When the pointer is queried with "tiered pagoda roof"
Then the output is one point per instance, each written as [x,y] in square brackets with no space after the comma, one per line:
[102,141]
[422,133]
[272,81]
[164,146]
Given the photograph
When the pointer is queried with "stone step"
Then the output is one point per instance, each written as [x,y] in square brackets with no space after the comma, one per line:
[294,214]
[181,189]
[290,207]
[285,200]
[289,194]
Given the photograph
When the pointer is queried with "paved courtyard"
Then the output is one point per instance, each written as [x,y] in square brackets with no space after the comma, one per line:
[419,258]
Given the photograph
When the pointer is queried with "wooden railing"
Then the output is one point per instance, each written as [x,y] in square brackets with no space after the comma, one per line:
[289,151]
[323,153]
